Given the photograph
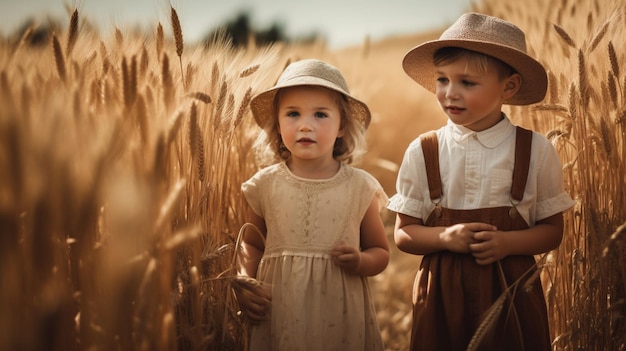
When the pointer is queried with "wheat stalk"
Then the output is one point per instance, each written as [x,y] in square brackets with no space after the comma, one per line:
[58,58]
[5,92]
[249,71]
[194,131]
[167,207]
[598,36]
[142,119]
[563,35]
[166,81]
[489,321]
[613,59]
[242,107]
[583,79]
[129,78]
[178,39]
[160,38]
[72,33]
[174,126]
[198,95]
[200,159]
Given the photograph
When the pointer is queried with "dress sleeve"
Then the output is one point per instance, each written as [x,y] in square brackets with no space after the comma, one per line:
[251,190]
[373,186]
[409,197]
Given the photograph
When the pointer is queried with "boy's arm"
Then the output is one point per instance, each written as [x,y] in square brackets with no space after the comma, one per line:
[546,235]
[412,236]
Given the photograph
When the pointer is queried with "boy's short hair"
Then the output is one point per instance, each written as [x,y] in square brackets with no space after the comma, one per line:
[482,62]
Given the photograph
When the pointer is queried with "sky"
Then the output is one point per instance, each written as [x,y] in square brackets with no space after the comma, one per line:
[342,22]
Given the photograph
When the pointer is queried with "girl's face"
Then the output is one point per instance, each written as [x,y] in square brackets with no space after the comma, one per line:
[309,122]
[470,97]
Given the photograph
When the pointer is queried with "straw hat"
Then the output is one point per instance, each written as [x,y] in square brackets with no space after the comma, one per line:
[307,72]
[488,35]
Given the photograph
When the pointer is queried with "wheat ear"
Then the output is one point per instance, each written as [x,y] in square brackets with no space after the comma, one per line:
[178,39]
[72,33]
[58,57]
[160,38]
[563,35]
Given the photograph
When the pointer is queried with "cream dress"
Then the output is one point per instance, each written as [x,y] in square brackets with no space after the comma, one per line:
[315,304]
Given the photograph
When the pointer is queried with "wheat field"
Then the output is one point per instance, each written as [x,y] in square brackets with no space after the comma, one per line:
[121,157]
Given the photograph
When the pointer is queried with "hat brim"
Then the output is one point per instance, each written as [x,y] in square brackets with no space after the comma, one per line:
[262,105]
[418,64]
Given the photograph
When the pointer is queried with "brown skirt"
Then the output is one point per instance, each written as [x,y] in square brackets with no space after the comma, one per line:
[453,295]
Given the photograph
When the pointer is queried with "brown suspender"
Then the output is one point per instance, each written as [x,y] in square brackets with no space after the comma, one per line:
[523,142]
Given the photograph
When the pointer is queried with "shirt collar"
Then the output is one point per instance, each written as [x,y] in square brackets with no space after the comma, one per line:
[489,138]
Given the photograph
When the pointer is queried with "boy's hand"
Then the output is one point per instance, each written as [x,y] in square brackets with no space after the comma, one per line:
[459,237]
[254,300]
[489,247]
[346,257]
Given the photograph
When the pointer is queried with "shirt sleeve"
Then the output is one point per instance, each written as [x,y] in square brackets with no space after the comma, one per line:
[551,195]
[409,197]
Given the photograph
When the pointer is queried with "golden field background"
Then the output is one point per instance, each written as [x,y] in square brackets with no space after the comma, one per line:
[121,157]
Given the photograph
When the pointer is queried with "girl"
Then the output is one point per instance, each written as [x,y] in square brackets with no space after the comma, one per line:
[321,234]
[479,197]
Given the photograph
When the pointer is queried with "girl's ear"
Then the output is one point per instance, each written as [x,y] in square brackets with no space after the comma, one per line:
[512,85]
[341,132]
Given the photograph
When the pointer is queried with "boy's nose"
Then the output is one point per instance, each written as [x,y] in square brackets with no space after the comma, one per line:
[451,92]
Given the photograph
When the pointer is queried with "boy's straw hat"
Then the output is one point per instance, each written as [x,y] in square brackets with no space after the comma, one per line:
[307,72]
[488,35]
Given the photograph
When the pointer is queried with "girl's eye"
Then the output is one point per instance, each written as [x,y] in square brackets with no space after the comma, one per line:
[320,115]
[442,80]
[292,114]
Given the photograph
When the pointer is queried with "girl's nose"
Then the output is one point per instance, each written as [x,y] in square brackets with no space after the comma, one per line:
[305,125]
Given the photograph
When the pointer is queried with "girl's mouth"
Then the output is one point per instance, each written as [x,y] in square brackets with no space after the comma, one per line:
[306,141]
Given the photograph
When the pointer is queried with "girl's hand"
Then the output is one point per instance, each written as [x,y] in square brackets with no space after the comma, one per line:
[254,300]
[347,257]
[459,237]
[489,247]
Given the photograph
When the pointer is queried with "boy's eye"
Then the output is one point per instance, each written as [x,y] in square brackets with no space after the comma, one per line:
[468,83]
[442,80]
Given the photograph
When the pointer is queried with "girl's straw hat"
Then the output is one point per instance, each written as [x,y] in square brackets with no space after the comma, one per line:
[488,35]
[307,72]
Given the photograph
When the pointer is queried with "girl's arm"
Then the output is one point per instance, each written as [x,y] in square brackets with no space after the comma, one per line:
[252,245]
[412,236]
[253,299]
[374,254]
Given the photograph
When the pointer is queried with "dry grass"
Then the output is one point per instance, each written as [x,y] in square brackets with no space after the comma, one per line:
[119,178]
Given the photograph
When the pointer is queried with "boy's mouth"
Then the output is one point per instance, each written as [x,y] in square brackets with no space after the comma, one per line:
[455,108]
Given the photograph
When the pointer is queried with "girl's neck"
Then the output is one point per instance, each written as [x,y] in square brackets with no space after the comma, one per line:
[313,169]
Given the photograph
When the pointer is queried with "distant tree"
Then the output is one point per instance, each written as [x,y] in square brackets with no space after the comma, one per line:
[239,30]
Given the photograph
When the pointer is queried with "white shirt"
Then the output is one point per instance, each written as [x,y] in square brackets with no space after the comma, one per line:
[476,172]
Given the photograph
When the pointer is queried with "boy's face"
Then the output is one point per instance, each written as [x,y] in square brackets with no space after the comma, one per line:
[470,97]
